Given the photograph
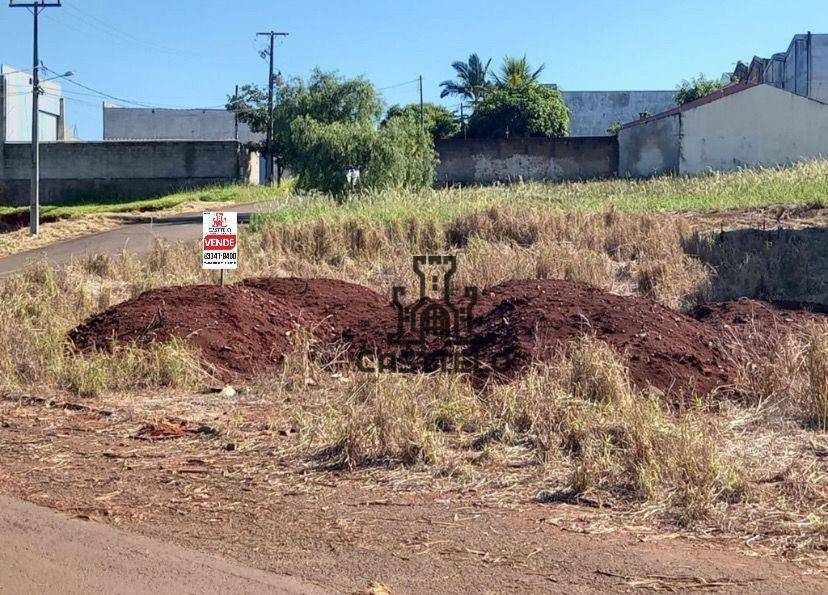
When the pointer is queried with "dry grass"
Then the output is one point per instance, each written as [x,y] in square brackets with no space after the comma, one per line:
[573,430]
[817,365]
[622,252]
[167,365]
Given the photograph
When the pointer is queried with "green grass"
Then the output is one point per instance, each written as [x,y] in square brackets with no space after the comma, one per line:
[803,184]
[218,194]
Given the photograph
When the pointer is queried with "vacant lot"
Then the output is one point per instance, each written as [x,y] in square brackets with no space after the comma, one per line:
[640,406]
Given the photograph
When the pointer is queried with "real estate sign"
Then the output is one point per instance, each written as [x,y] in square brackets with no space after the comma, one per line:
[219,240]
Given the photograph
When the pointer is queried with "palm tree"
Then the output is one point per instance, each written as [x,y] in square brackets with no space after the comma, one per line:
[516,72]
[472,79]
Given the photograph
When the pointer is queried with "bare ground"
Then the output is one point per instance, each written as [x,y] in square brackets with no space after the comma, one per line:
[208,485]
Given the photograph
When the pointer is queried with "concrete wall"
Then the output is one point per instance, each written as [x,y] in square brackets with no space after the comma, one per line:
[650,148]
[483,161]
[122,169]
[592,112]
[130,123]
[760,126]
[819,67]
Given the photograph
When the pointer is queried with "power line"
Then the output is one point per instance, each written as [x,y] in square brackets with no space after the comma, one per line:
[143,104]
[114,32]
[416,80]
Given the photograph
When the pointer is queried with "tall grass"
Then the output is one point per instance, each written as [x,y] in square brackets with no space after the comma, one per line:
[802,184]
[623,252]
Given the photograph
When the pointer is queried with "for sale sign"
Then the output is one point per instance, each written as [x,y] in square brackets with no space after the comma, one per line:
[220,241]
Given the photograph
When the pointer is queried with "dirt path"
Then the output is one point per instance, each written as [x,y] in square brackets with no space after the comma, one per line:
[44,552]
[133,237]
[344,530]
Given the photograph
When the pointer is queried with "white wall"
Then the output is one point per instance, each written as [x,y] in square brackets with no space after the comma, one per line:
[760,126]
[18,107]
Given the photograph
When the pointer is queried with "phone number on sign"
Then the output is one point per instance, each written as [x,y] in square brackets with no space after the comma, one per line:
[220,256]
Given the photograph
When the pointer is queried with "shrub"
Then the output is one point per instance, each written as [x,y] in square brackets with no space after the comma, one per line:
[696,88]
[381,422]
[520,111]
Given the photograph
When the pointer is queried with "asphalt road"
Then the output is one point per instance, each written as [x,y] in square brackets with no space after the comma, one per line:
[44,552]
[132,237]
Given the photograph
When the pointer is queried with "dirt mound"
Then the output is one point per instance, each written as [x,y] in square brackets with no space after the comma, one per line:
[240,330]
[535,319]
[745,315]
[247,328]
[339,310]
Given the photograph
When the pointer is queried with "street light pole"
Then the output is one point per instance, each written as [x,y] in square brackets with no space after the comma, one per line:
[34,197]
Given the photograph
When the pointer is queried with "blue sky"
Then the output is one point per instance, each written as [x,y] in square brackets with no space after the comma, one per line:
[190,53]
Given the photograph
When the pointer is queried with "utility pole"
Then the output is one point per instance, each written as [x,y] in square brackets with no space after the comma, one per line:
[236,114]
[269,142]
[34,197]
[422,114]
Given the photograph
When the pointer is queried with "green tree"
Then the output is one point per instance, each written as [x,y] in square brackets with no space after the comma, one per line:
[472,80]
[326,97]
[516,72]
[439,122]
[520,111]
[392,156]
[696,88]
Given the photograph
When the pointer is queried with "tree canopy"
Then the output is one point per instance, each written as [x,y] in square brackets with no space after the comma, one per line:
[326,124]
[515,72]
[439,121]
[472,79]
[520,111]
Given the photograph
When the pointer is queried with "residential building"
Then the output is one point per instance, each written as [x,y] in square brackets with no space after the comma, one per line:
[801,69]
[743,125]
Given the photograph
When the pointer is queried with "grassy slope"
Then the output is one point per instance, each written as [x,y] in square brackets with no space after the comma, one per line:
[218,194]
[805,183]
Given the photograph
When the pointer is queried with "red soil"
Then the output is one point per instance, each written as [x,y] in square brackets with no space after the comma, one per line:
[239,330]
[246,329]
[537,318]
[745,314]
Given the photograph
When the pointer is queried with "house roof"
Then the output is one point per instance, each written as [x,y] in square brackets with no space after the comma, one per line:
[716,95]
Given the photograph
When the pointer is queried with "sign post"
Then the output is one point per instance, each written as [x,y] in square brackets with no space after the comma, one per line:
[219,245]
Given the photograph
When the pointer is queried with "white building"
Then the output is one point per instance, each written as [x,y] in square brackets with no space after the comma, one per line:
[16,108]
[744,125]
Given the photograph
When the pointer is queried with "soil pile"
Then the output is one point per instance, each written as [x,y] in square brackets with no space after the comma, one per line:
[535,319]
[744,315]
[240,330]
[247,328]
[337,310]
